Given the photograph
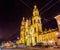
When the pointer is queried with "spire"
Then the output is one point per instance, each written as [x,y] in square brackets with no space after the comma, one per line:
[35,6]
[35,11]
[23,18]
[23,21]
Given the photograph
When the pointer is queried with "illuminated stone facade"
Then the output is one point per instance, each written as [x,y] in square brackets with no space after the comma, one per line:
[58,23]
[31,31]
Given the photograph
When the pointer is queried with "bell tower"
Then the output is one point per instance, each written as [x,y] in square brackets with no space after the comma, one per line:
[35,11]
[36,20]
[22,31]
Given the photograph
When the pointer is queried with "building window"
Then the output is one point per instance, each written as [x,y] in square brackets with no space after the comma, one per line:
[34,21]
[38,21]
[35,39]
[35,29]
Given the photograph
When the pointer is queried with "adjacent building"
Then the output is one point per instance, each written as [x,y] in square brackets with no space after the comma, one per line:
[58,23]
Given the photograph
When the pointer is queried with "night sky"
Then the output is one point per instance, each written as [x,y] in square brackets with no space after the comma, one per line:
[12,11]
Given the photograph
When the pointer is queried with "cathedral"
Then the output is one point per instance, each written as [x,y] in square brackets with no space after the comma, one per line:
[31,31]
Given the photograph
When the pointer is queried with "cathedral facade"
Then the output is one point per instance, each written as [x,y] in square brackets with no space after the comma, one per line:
[31,31]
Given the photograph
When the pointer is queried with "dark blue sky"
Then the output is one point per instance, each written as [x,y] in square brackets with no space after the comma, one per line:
[12,11]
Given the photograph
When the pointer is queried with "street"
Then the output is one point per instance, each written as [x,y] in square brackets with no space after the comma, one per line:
[30,48]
